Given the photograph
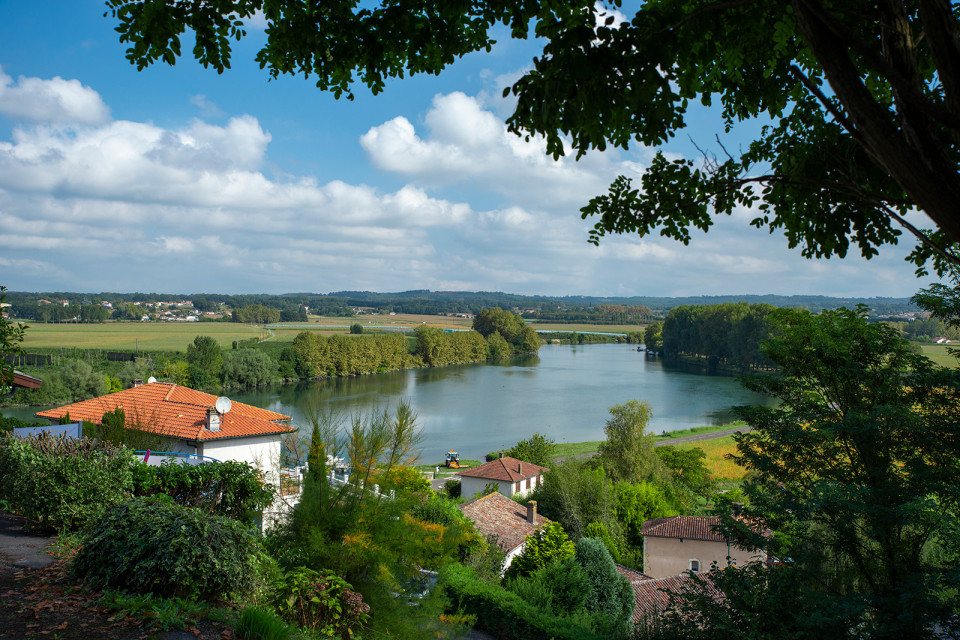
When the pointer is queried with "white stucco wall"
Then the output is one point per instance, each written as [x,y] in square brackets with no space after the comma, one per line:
[178,446]
[472,487]
[262,452]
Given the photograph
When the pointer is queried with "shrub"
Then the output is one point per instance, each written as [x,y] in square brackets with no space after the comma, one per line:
[401,478]
[233,489]
[437,510]
[544,546]
[81,380]
[537,449]
[259,624]
[609,594]
[505,614]
[248,368]
[10,423]
[453,488]
[148,545]
[560,587]
[63,483]
[321,601]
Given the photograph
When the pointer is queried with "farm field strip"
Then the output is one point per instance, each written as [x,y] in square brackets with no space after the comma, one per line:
[127,336]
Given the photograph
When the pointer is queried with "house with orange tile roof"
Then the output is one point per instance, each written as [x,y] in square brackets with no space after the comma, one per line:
[511,476]
[497,515]
[677,544]
[651,596]
[191,421]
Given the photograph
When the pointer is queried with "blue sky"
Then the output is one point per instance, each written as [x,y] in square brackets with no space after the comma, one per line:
[177,179]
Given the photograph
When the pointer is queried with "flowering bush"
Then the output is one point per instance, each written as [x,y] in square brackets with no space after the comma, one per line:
[321,601]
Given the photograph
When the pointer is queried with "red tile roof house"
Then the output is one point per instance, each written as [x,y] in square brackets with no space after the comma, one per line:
[190,423]
[651,597]
[677,544]
[497,515]
[511,476]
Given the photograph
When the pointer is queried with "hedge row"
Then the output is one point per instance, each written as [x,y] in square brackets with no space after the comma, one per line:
[504,613]
[152,545]
[64,483]
[60,483]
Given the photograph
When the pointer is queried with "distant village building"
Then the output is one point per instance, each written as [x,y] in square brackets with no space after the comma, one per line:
[511,476]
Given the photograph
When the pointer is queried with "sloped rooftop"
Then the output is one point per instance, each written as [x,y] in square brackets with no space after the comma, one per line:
[651,597]
[505,469]
[686,527]
[175,411]
[496,514]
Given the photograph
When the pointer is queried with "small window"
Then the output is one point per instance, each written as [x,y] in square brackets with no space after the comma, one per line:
[695,566]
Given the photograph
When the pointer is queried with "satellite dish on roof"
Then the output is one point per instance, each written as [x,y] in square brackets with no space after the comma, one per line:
[151,379]
[223,404]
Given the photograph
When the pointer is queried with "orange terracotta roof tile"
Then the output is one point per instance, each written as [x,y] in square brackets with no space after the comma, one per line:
[496,514]
[686,527]
[651,597]
[505,469]
[175,411]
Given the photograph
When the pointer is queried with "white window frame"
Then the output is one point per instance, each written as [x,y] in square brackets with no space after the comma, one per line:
[690,565]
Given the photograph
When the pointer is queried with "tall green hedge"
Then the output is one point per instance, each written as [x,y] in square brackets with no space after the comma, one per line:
[62,483]
[230,488]
[503,613]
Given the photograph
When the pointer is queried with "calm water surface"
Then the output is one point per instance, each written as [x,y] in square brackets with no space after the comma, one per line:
[563,393]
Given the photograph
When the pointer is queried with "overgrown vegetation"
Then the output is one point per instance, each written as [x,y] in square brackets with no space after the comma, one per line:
[153,545]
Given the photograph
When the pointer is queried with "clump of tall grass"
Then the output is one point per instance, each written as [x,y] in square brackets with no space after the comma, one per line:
[259,624]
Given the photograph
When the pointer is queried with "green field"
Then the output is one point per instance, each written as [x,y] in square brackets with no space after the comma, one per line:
[565,449]
[589,328]
[130,336]
[938,353]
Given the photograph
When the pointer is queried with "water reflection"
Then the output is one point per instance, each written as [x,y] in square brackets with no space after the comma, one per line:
[564,393]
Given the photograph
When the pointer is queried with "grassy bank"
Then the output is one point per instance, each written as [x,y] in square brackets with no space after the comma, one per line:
[565,449]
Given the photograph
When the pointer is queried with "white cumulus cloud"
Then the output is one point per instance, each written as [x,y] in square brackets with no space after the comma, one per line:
[55,100]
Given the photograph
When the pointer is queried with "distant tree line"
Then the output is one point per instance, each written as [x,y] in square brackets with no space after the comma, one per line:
[599,314]
[721,334]
[593,309]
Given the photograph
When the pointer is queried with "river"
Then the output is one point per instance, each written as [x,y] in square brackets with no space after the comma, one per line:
[563,393]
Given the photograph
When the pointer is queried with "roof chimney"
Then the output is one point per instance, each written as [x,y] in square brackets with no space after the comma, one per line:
[501,454]
[532,512]
[213,419]
[137,382]
[520,468]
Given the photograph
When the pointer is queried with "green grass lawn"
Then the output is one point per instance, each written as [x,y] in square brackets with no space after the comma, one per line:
[938,353]
[464,464]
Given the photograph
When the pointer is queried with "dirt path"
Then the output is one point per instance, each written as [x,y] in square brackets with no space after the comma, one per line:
[702,436]
[697,437]
[38,601]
